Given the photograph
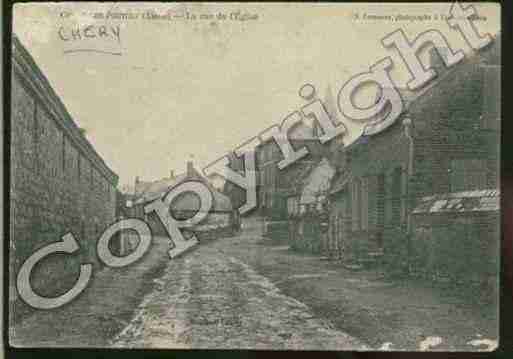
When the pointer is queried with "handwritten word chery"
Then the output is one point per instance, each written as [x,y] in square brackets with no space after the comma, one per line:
[78,33]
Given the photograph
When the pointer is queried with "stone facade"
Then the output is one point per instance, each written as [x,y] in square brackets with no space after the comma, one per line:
[58,182]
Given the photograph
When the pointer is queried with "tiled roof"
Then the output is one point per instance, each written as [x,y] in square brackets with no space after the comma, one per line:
[466,201]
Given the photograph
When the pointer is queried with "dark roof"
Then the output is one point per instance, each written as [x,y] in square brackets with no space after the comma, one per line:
[466,201]
[410,97]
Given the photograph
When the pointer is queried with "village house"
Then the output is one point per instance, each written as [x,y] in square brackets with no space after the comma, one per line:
[221,221]
[274,186]
[307,207]
[444,143]
[58,182]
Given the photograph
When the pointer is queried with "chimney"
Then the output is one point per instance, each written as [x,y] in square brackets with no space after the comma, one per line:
[190,168]
[172,174]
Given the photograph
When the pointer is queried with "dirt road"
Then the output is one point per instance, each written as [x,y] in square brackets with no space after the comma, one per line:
[208,300]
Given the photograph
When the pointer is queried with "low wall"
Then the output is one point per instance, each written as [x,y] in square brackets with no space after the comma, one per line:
[458,247]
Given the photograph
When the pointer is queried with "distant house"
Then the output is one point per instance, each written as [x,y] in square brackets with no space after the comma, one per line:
[339,219]
[272,184]
[221,220]
[445,141]
[307,207]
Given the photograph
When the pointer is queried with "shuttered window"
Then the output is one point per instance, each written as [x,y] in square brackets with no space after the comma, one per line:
[396,195]
[356,205]
[364,206]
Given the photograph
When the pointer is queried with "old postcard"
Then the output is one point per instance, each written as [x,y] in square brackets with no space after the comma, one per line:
[307,176]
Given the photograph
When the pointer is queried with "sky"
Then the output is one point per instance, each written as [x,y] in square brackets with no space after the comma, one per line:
[156,93]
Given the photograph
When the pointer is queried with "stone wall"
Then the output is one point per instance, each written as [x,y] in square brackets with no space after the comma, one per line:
[55,188]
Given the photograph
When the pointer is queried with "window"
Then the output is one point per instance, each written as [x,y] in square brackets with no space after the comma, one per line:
[491,89]
[36,139]
[63,152]
[396,195]
[467,174]
[364,207]
[356,205]
[380,201]
[262,198]
[404,196]
[360,205]
[78,165]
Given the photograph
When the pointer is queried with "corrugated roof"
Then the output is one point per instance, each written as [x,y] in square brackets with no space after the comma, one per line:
[465,201]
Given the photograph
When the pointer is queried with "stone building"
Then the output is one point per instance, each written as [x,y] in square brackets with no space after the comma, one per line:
[446,141]
[58,182]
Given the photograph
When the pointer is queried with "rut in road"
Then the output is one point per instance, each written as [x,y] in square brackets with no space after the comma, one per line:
[207,300]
